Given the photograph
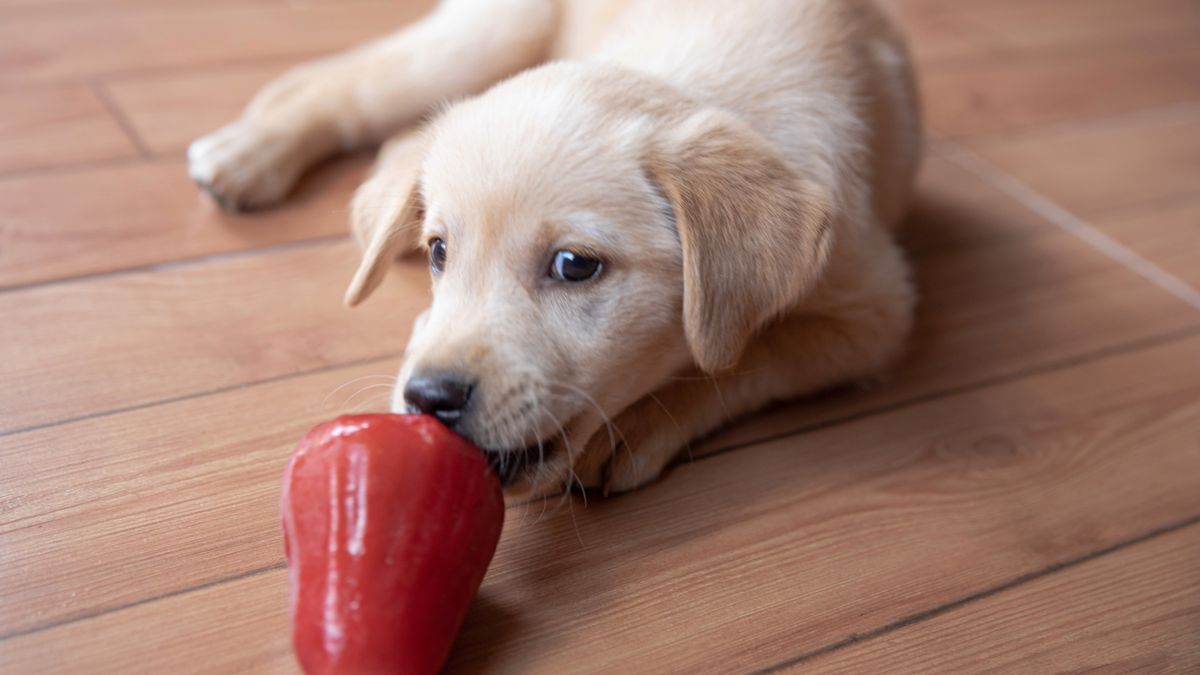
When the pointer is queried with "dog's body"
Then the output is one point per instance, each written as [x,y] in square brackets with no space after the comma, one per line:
[677,212]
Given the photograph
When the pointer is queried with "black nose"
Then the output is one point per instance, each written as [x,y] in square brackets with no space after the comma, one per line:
[443,395]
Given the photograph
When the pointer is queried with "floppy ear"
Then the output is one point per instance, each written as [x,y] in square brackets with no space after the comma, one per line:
[386,214]
[755,235]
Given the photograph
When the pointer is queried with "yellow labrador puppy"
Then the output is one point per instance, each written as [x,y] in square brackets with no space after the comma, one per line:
[671,212]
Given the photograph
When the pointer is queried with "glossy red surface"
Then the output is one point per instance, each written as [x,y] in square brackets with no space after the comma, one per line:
[390,522]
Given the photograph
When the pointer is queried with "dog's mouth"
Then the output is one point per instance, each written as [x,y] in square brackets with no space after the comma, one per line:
[511,465]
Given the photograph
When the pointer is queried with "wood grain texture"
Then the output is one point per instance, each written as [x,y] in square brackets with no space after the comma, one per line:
[750,558]
[45,46]
[170,110]
[75,6]
[1062,25]
[75,349]
[56,126]
[1035,88]
[953,209]
[1166,233]
[109,511]
[988,67]
[947,32]
[104,219]
[201,630]
[1090,169]
[1133,611]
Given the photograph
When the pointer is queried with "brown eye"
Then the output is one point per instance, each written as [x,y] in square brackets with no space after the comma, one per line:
[437,256]
[574,267]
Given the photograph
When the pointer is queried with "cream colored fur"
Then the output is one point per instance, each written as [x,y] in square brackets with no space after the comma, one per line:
[737,166]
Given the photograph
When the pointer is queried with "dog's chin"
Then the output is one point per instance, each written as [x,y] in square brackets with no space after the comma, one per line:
[512,465]
[527,471]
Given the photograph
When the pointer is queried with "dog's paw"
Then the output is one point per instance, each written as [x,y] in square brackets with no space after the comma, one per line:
[631,469]
[245,168]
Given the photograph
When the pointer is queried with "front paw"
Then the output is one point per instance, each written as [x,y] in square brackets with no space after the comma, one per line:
[244,167]
[632,469]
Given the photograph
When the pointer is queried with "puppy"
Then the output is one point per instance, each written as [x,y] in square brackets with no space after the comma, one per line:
[670,213]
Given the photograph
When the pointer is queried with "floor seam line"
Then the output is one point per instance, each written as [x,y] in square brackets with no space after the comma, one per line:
[1101,121]
[201,394]
[966,388]
[1070,223]
[23,173]
[180,263]
[122,120]
[992,591]
[143,601]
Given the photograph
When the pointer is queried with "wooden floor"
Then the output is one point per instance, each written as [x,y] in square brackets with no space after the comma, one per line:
[1022,496]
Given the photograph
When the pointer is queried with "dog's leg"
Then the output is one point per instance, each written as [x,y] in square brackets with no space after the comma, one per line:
[853,332]
[362,96]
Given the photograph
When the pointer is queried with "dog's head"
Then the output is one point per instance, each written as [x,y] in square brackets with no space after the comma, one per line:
[588,236]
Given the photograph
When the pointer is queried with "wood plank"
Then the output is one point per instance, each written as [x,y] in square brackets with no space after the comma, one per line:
[75,349]
[1164,233]
[113,510]
[75,6]
[947,31]
[56,126]
[178,625]
[1031,88]
[953,209]
[45,46]
[150,212]
[1136,610]
[1093,168]
[1006,28]
[749,558]
[939,34]
[1081,24]
[170,110]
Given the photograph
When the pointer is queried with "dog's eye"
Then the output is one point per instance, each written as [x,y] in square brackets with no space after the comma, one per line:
[437,255]
[568,266]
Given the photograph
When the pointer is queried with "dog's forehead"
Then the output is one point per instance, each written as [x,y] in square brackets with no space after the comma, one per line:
[530,199]
[533,160]
[532,133]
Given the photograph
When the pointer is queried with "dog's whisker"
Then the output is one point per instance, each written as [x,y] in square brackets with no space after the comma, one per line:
[571,477]
[721,398]
[687,445]
[608,422]
[541,460]
[541,515]
[540,443]
[370,403]
[565,493]
[369,387]
[325,401]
